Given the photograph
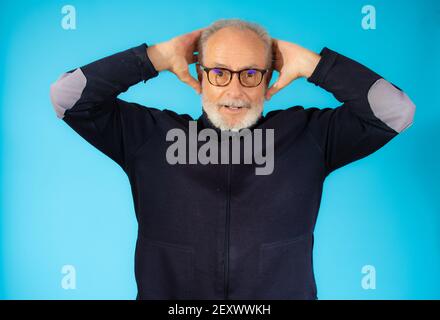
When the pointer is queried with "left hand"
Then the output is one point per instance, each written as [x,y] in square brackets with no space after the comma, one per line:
[292,62]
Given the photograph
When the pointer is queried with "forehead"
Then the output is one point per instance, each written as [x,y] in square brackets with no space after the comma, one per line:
[235,49]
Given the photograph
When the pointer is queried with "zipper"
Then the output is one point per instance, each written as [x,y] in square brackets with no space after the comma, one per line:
[228,213]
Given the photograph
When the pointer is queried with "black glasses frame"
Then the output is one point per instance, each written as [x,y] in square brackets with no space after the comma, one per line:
[207,69]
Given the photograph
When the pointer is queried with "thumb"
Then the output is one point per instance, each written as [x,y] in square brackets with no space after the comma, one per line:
[186,77]
[277,86]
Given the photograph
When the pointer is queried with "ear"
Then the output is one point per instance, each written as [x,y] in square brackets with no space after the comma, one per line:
[269,76]
[199,73]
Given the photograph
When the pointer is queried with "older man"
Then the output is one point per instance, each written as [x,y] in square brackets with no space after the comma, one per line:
[218,230]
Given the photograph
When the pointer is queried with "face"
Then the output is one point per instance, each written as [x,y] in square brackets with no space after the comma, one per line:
[234,106]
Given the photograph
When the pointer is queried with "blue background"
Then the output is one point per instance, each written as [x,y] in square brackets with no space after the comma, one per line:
[62,202]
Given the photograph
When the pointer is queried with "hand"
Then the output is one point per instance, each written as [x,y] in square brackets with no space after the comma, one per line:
[292,62]
[176,55]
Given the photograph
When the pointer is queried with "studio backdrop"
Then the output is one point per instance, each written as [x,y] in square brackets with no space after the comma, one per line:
[67,222]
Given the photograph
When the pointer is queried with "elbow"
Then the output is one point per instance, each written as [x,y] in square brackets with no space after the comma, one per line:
[391,105]
[56,97]
[408,110]
[66,91]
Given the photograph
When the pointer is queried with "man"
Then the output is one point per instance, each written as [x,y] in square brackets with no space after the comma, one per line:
[219,230]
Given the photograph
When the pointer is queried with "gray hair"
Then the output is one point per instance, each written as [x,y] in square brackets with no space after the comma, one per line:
[241,25]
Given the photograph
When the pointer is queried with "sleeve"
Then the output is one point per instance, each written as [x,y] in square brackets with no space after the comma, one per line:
[86,99]
[373,110]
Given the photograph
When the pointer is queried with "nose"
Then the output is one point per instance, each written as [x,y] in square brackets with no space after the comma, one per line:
[235,85]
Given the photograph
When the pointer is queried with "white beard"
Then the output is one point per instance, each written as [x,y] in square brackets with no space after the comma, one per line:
[252,115]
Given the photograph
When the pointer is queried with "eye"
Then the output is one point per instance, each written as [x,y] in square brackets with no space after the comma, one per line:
[217,72]
[250,73]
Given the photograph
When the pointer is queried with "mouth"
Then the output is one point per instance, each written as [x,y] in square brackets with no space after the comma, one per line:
[232,109]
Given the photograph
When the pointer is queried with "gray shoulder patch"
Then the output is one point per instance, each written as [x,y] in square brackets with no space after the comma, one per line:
[390,105]
[67,90]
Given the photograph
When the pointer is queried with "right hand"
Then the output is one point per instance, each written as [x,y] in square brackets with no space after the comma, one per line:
[176,55]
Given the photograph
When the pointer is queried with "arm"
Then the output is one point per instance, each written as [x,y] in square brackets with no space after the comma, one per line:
[373,110]
[86,97]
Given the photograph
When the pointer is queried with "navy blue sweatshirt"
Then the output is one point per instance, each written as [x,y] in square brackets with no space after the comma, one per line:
[220,231]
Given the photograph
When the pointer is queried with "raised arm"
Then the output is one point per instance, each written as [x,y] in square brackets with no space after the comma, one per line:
[373,110]
[86,97]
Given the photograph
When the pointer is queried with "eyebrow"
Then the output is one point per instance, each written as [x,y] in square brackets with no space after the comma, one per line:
[221,65]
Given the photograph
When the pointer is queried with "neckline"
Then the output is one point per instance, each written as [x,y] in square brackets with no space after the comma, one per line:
[206,123]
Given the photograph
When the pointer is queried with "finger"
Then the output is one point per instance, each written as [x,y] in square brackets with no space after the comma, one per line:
[272,90]
[199,31]
[277,86]
[189,80]
[194,35]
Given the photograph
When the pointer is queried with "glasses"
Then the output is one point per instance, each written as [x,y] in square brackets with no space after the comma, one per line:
[221,77]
